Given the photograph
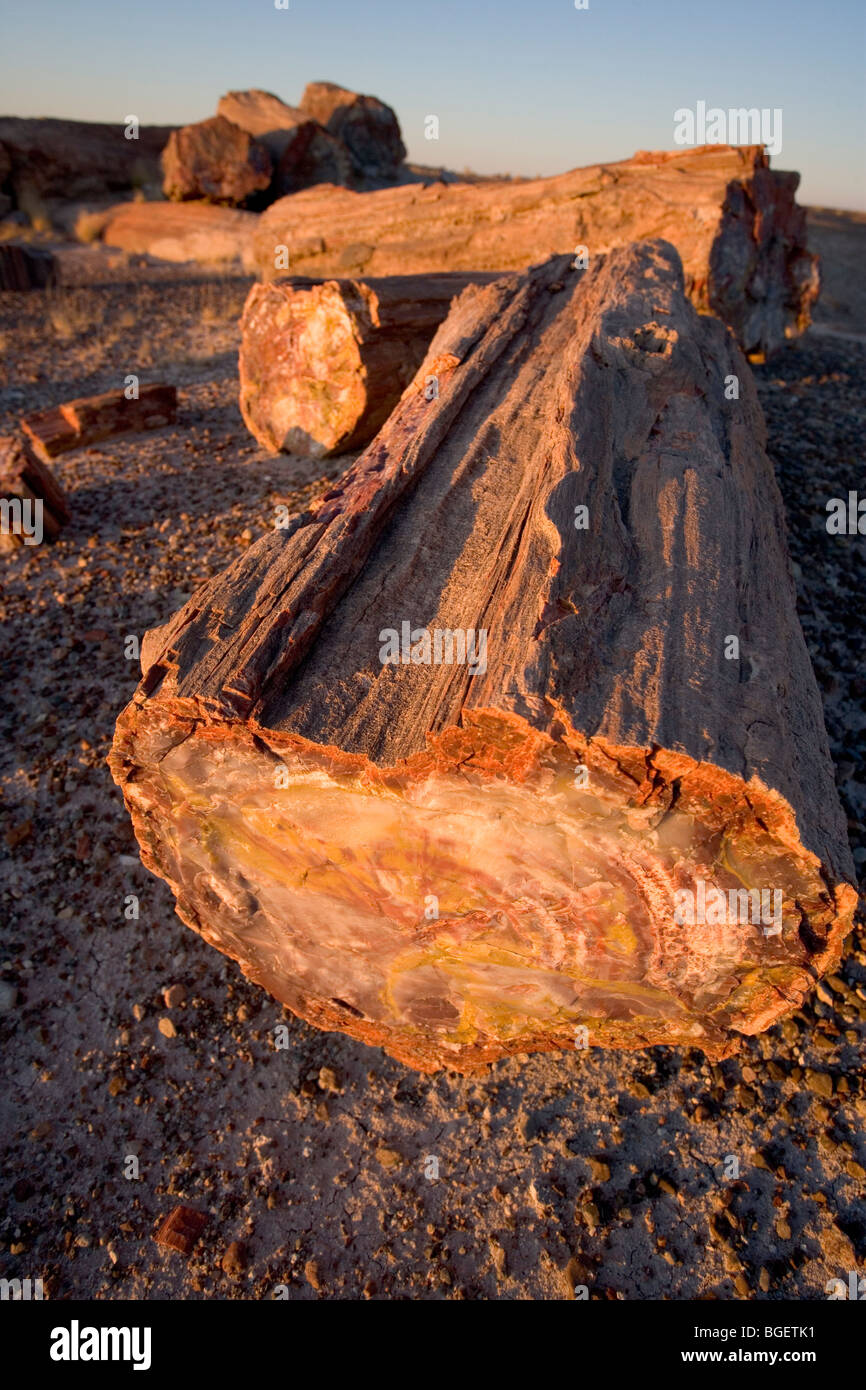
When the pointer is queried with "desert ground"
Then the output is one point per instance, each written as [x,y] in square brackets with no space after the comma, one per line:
[655,1175]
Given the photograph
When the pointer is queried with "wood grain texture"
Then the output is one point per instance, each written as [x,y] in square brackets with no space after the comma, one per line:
[461,863]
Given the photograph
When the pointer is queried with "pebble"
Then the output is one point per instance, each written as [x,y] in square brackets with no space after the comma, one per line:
[174,996]
[235,1260]
[167,1028]
[8,997]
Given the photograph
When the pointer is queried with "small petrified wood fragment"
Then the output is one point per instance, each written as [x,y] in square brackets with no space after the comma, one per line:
[462,846]
[76,424]
[735,222]
[323,363]
[26,267]
[181,1229]
[33,505]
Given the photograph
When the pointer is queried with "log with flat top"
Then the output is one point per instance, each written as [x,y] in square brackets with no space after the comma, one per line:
[444,763]
[735,222]
[323,362]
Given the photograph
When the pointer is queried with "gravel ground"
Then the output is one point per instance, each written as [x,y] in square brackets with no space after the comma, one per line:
[638,1176]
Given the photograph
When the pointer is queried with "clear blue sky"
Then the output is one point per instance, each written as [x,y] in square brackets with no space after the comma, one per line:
[519,86]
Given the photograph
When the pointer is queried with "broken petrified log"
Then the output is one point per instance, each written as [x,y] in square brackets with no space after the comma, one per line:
[26,267]
[322,363]
[367,128]
[443,763]
[33,505]
[215,160]
[202,232]
[89,419]
[303,151]
[734,221]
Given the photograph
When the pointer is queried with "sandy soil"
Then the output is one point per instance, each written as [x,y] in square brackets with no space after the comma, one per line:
[614,1172]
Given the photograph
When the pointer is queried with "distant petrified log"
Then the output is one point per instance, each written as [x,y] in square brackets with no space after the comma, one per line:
[323,362]
[735,223]
[215,160]
[33,505]
[79,159]
[25,267]
[367,127]
[200,232]
[263,115]
[303,151]
[443,762]
[90,419]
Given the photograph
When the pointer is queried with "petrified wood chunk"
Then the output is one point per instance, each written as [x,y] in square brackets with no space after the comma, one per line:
[25,267]
[33,505]
[215,160]
[367,127]
[734,221]
[434,762]
[303,151]
[322,363]
[89,419]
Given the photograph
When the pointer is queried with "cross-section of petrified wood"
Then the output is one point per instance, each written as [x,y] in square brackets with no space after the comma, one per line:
[462,846]
[33,505]
[323,362]
[93,418]
[734,221]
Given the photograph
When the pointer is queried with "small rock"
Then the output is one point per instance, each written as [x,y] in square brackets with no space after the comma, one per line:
[389,1158]
[235,1260]
[167,1028]
[328,1079]
[8,997]
[174,996]
[311,1274]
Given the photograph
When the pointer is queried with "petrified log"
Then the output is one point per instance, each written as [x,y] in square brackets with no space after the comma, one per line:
[734,221]
[303,151]
[78,423]
[202,232]
[33,505]
[322,363]
[367,127]
[26,267]
[434,762]
[214,160]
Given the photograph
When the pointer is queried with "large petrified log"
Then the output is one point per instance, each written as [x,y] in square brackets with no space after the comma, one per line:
[734,221]
[215,160]
[435,761]
[33,505]
[322,363]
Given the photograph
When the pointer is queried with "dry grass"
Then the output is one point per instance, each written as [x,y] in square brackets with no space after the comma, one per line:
[69,313]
